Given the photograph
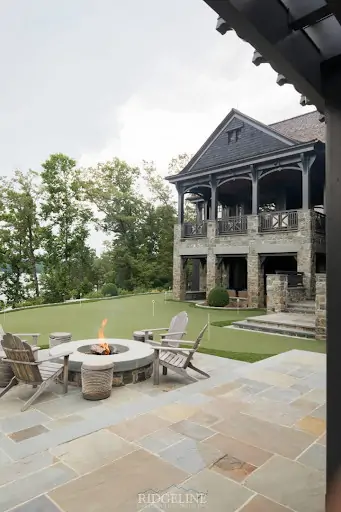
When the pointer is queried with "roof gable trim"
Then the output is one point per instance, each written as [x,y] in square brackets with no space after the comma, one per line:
[242,118]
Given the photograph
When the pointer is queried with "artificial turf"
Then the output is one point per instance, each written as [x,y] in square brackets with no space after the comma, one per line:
[127,314]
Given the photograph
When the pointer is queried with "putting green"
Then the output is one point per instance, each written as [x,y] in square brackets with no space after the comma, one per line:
[127,314]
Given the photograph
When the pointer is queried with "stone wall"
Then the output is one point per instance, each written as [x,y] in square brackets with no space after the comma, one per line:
[321,307]
[277,293]
[296,294]
[179,276]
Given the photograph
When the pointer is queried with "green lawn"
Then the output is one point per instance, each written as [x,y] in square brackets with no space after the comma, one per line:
[131,313]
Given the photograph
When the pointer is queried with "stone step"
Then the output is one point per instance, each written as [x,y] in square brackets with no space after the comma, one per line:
[273,329]
[306,308]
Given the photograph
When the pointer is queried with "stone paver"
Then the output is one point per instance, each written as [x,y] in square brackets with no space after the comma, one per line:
[160,440]
[290,483]
[315,426]
[314,457]
[203,418]
[12,471]
[101,448]
[139,427]
[233,468]
[63,422]
[265,435]
[191,456]
[116,487]
[27,433]
[41,504]
[223,495]
[239,450]
[34,484]
[22,421]
[175,412]
[261,504]
[192,430]
[4,459]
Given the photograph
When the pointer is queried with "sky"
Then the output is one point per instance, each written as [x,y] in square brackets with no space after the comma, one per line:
[136,79]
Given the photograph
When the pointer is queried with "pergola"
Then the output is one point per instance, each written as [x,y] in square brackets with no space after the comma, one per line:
[301,40]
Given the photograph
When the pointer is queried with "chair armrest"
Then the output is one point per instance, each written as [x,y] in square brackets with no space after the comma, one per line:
[36,334]
[173,349]
[172,333]
[183,342]
[65,353]
[154,330]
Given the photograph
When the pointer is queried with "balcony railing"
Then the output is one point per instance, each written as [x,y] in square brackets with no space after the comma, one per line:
[194,230]
[319,221]
[233,226]
[278,221]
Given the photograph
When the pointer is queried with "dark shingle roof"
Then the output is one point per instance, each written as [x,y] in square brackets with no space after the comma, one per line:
[304,128]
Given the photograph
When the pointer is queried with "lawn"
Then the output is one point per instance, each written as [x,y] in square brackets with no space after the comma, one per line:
[132,313]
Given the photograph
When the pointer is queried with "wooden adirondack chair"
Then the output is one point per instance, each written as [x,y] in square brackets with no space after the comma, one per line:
[174,333]
[177,359]
[29,371]
[33,335]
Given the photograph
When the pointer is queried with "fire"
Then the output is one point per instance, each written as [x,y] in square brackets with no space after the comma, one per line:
[101,336]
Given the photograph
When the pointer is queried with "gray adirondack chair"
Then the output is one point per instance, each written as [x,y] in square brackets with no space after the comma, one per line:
[33,335]
[177,359]
[29,371]
[174,333]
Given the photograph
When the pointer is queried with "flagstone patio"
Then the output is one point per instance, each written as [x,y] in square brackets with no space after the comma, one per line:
[249,439]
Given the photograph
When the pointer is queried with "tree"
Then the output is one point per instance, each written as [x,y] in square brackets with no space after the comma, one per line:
[66,217]
[20,236]
[178,163]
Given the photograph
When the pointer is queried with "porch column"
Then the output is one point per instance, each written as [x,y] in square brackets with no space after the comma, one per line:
[181,196]
[305,182]
[333,239]
[254,191]
[202,275]
[255,280]
[179,267]
[213,198]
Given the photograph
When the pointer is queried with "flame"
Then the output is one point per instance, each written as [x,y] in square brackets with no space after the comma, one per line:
[102,337]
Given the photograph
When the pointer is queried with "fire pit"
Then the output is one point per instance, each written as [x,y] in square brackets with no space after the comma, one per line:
[133,361]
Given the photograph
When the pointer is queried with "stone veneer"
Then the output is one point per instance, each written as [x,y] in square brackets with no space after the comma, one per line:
[277,293]
[303,242]
[321,307]
[119,378]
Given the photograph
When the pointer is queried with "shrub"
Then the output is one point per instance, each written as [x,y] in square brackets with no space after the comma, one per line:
[34,301]
[94,295]
[218,297]
[109,290]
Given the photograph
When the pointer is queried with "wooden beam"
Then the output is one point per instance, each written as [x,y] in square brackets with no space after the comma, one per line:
[311,18]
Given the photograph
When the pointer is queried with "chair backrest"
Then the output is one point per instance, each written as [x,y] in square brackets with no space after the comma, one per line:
[196,345]
[20,352]
[177,324]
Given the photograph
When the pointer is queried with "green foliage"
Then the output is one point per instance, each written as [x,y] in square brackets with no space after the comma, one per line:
[94,295]
[218,297]
[35,301]
[109,290]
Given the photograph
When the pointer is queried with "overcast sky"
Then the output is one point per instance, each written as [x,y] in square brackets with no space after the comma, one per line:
[137,79]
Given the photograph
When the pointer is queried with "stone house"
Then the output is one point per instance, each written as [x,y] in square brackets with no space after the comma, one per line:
[259,197]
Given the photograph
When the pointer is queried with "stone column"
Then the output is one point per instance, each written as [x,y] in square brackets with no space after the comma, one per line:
[212,263]
[181,208]
[254,191]
[321,307]
[305,184]
[277,293]
[306,256]
[214,203]
[255,277]
[179,274]
[226,274]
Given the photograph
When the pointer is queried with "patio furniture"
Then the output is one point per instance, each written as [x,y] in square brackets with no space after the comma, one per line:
[177,359]
[174,333]
[56,338]
[6,372]
[33,335]
[97,379]
[29,371]
[142,336]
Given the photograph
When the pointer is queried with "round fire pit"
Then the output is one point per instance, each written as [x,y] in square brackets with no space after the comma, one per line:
[133,361]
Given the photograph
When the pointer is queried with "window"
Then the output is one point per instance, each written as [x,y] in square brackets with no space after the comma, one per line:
[233,135]
[220,211]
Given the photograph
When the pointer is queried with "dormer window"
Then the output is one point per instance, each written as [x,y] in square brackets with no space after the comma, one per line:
[233,134]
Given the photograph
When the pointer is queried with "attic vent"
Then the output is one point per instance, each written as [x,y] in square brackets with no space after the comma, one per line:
[233,135]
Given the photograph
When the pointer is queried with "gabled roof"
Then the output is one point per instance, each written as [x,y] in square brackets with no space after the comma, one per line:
[255,139]
[303,128]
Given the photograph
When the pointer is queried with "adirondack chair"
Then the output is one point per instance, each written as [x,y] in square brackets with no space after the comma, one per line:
[29,371]
[174,333]
[33,335]
[177,359]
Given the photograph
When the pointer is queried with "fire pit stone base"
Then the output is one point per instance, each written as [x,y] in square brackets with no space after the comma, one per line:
[119,378]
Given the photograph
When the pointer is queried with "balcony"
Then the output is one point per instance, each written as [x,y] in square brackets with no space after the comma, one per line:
[278,221]
[233,226]
[265,222]
[198,230]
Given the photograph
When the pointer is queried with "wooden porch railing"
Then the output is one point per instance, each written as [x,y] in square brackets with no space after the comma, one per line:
[233,226]
[194,230]
[319,222]
[278,221]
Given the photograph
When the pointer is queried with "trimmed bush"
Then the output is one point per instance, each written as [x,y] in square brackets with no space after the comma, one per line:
[218,297]
[94,295]
[109,290]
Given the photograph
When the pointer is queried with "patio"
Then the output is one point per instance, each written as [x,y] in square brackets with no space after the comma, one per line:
[249,439]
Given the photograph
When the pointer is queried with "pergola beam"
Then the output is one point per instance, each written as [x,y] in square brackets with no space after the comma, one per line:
[291,54]
[311,18]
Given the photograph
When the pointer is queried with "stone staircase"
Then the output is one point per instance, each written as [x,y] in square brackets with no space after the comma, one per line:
[299,321]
